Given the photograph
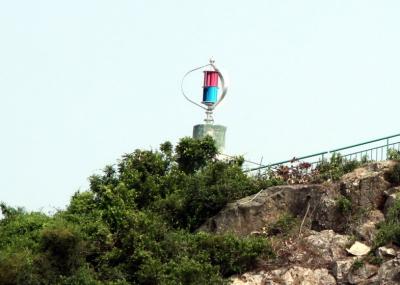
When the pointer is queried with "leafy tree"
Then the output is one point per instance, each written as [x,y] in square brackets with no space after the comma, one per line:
[136,224]
[193,154]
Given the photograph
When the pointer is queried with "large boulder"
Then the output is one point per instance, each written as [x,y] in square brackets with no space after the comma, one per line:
[346,272]
[366,186]
[341,269]
[252,213]
[367,230]
[329,245]
[392,195]
[363,275]
[294,275]
[389,272]
[304,276]
[249,278]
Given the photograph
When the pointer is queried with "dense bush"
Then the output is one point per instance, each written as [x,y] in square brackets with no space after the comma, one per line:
[389,230]
[344,205]
[393,154]
[335,168]
[393,175]
[300,172]
[136,225]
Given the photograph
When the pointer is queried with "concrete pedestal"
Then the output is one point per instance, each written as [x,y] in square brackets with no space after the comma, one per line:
[217,132]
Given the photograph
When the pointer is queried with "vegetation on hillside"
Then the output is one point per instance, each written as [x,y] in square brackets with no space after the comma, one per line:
[299,172]
[138,221]
[137,224]
[389,230]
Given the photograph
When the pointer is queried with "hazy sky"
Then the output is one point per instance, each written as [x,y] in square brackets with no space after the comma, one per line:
[82,82]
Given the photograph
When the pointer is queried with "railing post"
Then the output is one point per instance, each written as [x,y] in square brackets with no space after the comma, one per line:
[387,148]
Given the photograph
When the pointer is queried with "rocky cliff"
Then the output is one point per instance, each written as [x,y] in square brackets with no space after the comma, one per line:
[330,237]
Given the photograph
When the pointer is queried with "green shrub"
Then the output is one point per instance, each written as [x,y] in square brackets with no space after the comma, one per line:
[393,154]
[357,265]
[229,253]
[265,181]
[82,276]
[19,229]
[393,176]
[389,230]
[61,251]
[335,168]
[232,254]
[282,226]
[16,267]
[189,271]
[344,205]
[350,165]
[137,225]
[210,189]
[192,154]
[373,259]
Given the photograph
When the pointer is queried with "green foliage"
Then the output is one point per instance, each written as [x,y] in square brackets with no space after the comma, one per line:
[344,205]
[389,230]
[231,254]
[194,154]
[61,249]
[335,168]
[282,226]
[210,189]
[393,154]
[357,264]
[16,267]
[373,259]
[21,230]
[393,176]
[137,224]
[265,181]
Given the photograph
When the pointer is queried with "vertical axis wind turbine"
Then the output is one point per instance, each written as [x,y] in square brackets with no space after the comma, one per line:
[211,87]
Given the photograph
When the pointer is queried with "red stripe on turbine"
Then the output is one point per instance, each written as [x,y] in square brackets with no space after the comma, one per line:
[210,78]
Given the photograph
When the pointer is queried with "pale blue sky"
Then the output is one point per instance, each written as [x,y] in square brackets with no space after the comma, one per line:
[82,82]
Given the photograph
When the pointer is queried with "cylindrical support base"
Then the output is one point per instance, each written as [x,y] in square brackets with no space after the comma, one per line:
[217,132]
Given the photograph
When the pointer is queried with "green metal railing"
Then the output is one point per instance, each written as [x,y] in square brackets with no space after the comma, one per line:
[373,150]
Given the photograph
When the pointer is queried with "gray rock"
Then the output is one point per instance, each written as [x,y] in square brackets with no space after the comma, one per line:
[341,268]
[362,274]
[389,272]
[297,275]
[367,230]
[386,252]
[249,278]
[368,191]
[366,186]
[252,213]
[328,244]
[392,195]
[294,275]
